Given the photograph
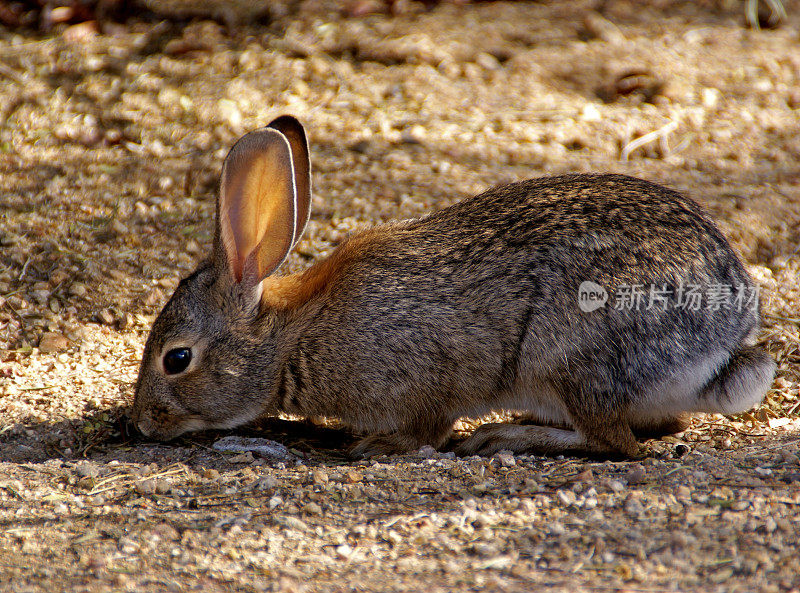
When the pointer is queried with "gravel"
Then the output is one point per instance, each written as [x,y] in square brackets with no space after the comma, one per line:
[110,146]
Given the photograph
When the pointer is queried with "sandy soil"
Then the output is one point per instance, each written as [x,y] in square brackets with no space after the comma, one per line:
[110,147]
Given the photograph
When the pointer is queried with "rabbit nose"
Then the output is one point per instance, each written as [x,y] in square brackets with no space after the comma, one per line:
[144,424]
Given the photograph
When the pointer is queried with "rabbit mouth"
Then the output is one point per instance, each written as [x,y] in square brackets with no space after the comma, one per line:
[170,429]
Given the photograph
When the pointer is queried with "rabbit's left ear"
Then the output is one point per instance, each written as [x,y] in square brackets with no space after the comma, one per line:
[257,207]
[296,135]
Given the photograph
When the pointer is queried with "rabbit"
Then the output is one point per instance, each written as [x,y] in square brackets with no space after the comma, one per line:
[411,325]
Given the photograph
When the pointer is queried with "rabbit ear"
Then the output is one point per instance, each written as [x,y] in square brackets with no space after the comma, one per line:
[295,134]
[257,206]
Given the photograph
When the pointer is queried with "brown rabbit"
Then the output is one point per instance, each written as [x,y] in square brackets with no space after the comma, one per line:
[521,298]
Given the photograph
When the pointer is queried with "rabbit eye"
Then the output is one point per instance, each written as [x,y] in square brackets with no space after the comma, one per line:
[177,360]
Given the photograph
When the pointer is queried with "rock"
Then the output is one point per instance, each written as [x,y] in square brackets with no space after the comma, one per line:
[484,549]
[353,477]
[291,523]
[153,297]
[263,447]
[52,342]
[267,483]
[78,289]
[634,507]
[585,476]
[105,316]
[487,61]
[166,531]
[616,486]
[119,227]
[145,487]
[80,33]
[557,528]
[246,457]
[636,474]
[506,459]
[599,27]
[567,497]
[87,469]
[426,452]
[312,508]
[128,545]
[163,487]
[345,551]
[359,8]
[770,525]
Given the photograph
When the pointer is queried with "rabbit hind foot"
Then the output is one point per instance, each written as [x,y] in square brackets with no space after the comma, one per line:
[488,439]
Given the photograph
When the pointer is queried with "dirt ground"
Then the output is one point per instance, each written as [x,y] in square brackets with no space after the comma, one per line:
[110,148]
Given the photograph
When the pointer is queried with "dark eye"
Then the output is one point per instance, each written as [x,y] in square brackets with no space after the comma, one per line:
[177,360]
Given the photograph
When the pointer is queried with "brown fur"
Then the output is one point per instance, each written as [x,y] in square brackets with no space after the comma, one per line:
[292,291]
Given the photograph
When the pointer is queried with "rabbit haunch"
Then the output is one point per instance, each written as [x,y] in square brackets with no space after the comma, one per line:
[407,327]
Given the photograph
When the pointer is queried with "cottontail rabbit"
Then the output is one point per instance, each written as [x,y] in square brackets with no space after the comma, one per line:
[604,305]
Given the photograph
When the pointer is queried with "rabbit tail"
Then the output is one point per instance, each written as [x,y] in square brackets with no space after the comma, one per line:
[740,384]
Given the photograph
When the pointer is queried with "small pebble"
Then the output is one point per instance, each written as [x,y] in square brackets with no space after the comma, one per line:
[312,508]
[266,483]
[353,476]
[616,486]
[145,487]
[78,289]
[52,342]
[246,457]
[87,469]
[105,316]
[557,528]
[636,475]
[345,550]
[567,497]
[506,459]
[166,531]
[426,452]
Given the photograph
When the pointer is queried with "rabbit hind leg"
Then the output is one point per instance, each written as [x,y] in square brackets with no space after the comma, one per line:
[569,424]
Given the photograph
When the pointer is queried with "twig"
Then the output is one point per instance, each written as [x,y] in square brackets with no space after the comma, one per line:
[659,134]
[751,12]
[126,479]
[20,319]
[782,318]
[24,268]
[11,74]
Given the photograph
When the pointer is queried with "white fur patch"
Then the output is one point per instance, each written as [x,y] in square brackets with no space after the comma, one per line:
[677,394]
